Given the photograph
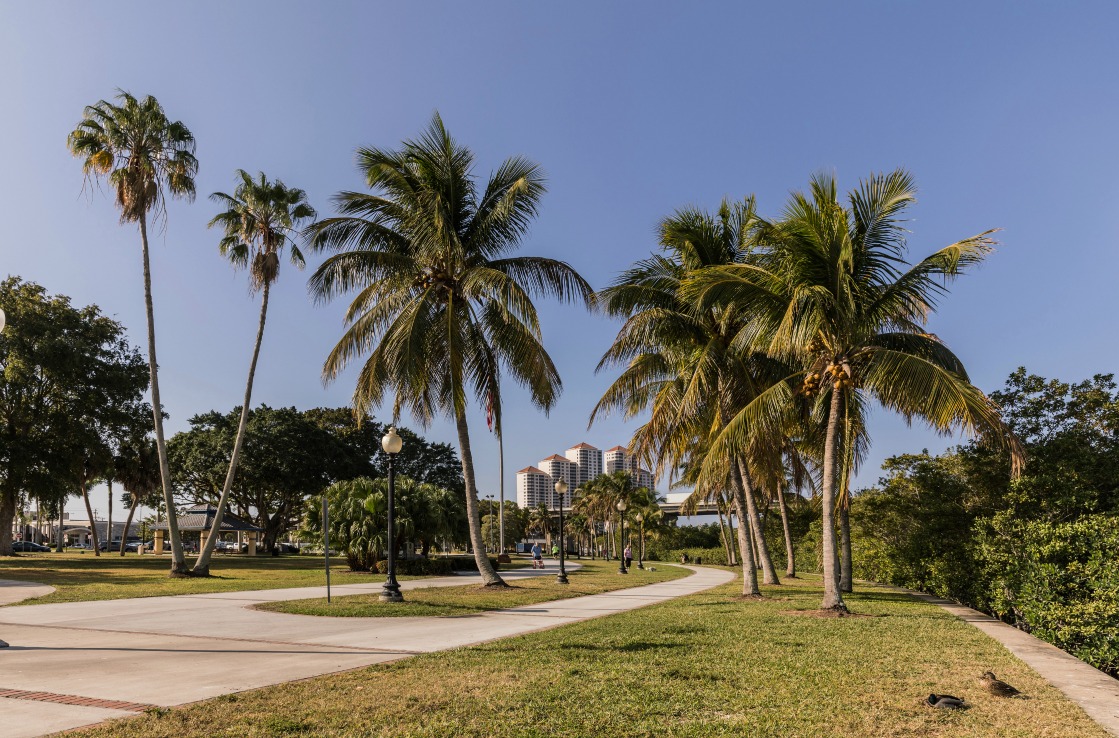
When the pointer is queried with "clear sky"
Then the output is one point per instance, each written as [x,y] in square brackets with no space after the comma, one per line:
[1005,112]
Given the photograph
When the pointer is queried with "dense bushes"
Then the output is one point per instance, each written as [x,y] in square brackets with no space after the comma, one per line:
[672,538]
[707,556]
[1038,552]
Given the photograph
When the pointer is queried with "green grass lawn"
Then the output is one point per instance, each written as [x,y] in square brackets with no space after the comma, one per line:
[704,665]
[80,577]
[593,578]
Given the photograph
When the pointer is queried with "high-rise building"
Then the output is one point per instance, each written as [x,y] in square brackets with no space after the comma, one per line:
[559,467]
[533,487]
[582,463]
[588,461]
[620,459]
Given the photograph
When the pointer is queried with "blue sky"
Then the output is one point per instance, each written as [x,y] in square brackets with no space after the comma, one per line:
[1005,112]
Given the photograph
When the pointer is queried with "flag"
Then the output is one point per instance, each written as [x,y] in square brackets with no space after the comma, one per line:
[489,411]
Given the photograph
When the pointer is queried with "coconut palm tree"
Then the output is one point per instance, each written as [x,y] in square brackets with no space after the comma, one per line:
[830,292]
[146,158]
[441,307]
[682,364]
[260,218]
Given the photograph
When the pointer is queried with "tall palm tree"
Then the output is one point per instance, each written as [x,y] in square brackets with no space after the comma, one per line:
[146,158]
[830,291]
[441,307]
[260,219]
[684,367]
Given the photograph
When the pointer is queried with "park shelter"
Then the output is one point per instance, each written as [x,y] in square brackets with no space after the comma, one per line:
[200,518]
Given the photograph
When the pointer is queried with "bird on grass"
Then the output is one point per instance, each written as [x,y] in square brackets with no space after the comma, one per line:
[996,686]
[945,701]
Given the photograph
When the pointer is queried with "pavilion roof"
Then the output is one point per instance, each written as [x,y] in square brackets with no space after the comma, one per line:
[201,517]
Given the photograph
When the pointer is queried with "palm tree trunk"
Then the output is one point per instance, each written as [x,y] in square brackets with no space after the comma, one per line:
[723,532]
[202,564]
[769,572]
[128,524]
[846,583]
[790,554]
[490,577]
[749,571]
[109,525]
[89,513]
[178,562]
[833,599]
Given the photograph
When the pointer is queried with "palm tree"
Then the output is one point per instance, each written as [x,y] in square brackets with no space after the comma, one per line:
[146,158]
[683,365]
[441,308]
[259,220]
[830,291]
[137,468]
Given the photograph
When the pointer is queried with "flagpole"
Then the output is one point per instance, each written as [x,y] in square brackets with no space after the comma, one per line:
[501,489]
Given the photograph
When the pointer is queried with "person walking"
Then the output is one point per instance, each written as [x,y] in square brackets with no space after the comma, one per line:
[628,554]
[537,556]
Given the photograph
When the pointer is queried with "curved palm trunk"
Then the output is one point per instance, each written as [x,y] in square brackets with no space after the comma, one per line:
[202,564]
[109,525]
[790,554]
[833,599]
[749,571]
[723,532]
[128,524]
[89,512]
[178,562]
[489,576]
[846,583]
[769,573]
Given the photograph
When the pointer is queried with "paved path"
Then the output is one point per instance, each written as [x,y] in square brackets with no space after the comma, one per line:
[163,651]
[1088,687]
[14,591]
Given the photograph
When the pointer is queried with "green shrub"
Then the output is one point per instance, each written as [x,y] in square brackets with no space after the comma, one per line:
[432,567]
[1058,581]
[712,556]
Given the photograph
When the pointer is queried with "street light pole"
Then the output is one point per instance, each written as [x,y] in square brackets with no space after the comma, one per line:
[622,537]
[391,443]
[561,490]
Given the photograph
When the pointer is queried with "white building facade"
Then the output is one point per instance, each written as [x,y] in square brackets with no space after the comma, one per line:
[580,464]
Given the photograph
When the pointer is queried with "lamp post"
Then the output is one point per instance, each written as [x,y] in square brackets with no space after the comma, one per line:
[392,444]
[561,490]
[622,537]
[640,541]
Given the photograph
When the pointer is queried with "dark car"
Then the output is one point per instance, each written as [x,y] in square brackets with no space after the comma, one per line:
[29,546]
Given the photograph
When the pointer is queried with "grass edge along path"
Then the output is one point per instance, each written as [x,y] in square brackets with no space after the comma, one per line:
[82,578]
[701,665]
[593,577]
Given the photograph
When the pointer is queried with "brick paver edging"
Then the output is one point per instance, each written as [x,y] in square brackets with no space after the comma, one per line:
[71,699]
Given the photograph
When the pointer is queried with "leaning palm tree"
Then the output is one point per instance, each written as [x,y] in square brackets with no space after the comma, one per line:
[830,292]
[146,158]
[441,308]
[259,220]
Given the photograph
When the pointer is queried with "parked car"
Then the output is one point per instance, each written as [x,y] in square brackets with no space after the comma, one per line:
[29,546]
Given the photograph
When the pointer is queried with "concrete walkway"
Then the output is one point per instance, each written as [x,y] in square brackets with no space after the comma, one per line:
[14,591]
[1088,687]
[76,663]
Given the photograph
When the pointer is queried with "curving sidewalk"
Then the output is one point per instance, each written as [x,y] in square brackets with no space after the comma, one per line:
[76,663]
